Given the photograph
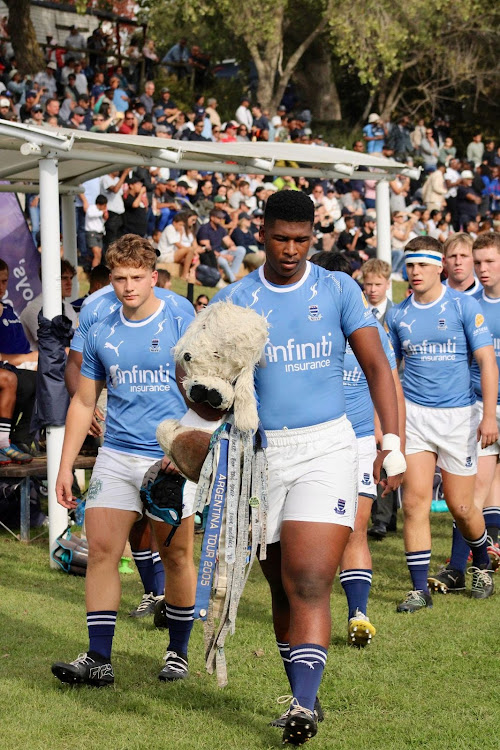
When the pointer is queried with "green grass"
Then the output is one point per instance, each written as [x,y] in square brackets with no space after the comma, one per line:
[429,680]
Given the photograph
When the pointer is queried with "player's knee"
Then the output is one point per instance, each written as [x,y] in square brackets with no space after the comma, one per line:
[308,588]
[175,559]
[102,552]
[463,512]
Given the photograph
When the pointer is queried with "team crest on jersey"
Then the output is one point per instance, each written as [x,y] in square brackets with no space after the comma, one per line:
[468,462]
[479,320]
[314,313]
[442,324]
[155,345]
[366,480]
[340,509]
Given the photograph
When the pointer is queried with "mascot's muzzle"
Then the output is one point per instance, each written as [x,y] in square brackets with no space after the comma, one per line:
[218,393]
[199,394]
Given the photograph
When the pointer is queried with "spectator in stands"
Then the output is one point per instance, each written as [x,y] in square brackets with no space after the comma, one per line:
[111,187]
[32,98]
[146,126]
[120,96]
[204,201]
[218,249]
[196,134]
[402,230]
[130,124]
[243,114]
[136,208]
[98,278]
[468,199]
[46,82]
[199,63]
[447,152]
[475,149]
[177,59]
[52,109]
[211,111]
[98,88]
[29,316]
[36,116]
[374,134]
[77,119]
[399,141]
[176,245]
[242,236]
[434,189]
[429,151]
[75,43]
[150,58]
[95,220]
[164,280]
[201,302]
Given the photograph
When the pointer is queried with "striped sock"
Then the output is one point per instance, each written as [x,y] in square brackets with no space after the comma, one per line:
[356,583]
[144,561]
[418,565]
[459,550]
[180,623]
[479,547]
[159,572]
[491,516]
[284,649]
[101,626]
[307,664]
[5,425]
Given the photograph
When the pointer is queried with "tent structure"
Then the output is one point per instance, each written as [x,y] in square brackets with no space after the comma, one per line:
[55,162]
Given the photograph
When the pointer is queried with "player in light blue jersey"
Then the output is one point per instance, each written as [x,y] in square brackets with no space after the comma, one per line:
[459,264]
[98,306]
[486,252]
[356,563]
[311,451]
[130,351]
[436,331]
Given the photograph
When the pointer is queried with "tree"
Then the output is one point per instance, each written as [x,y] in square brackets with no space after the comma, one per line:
[260,26]
[28,54]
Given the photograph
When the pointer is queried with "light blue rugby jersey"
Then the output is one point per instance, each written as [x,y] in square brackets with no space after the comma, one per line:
[100,305]
[301,382]
[477,287]
[491,310]
[135,359]
[359,406]
[437,341]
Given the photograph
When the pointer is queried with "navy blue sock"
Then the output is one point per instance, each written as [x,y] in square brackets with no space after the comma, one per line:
[159,573]
[491,516]
[418,565]
[459,550]
[479,547]
[180,624]
[144,561]
[307,664]
[356,583]
[101,626]
[284,649]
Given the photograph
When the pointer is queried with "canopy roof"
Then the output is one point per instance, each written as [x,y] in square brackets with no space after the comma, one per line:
[83,155]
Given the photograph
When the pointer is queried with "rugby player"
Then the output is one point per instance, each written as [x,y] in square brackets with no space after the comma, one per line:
[130,351]
[459,264]
[486,253]
[312,451]
[436,330]
[142,542]
[356,565]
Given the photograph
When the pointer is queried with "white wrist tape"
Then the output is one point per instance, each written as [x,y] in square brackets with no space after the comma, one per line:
[391,442]
[394,463]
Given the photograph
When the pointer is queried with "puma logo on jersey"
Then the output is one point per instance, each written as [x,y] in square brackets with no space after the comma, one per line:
[402,324]
[109,345]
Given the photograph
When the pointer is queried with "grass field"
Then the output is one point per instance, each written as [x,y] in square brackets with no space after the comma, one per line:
[429,680]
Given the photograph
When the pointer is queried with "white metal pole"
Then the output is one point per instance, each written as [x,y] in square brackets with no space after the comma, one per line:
[383,208]
[52,306]
[69,237]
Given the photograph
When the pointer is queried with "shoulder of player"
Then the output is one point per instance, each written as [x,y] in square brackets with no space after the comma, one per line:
[238,291]
[396,310]
[175,303]
[104,324]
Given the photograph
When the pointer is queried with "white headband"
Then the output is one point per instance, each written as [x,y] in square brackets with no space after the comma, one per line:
[433,257]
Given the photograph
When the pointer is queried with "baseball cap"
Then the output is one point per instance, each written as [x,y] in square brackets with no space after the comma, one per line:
[374,117]
[51,65]
[258,212]
[31,95]
[244,215]
[220,199]
[4,102]
[183,183]
[135,178]
[13,73]
[165,90]
[270,186]
[281,108]
[37,108]
[465,175]
[79,111]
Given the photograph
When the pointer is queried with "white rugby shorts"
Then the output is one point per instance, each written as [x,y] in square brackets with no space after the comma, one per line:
[367,453]
[313,475]
[449,433]
[494,448]
[117,479]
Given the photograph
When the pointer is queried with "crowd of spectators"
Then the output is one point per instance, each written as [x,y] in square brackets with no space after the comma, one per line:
[209,223]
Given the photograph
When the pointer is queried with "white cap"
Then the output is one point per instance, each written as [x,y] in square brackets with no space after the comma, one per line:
[373,117]
[467,175]
[4,102]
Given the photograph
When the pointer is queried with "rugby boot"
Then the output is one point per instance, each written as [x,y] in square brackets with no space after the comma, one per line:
[301,725]
[482,582]
[360,631]
[87,669]
[281,720]
[414,601]
[175,667]
[447,580]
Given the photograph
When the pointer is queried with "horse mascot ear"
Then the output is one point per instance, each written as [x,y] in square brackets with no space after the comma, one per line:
[225,454]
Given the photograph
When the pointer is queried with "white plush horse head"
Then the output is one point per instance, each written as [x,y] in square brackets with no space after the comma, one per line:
[218,353]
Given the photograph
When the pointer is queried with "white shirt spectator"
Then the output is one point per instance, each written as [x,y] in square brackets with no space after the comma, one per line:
[94,221]
[115,200]
[451,175]
[244,116]
[170,237]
